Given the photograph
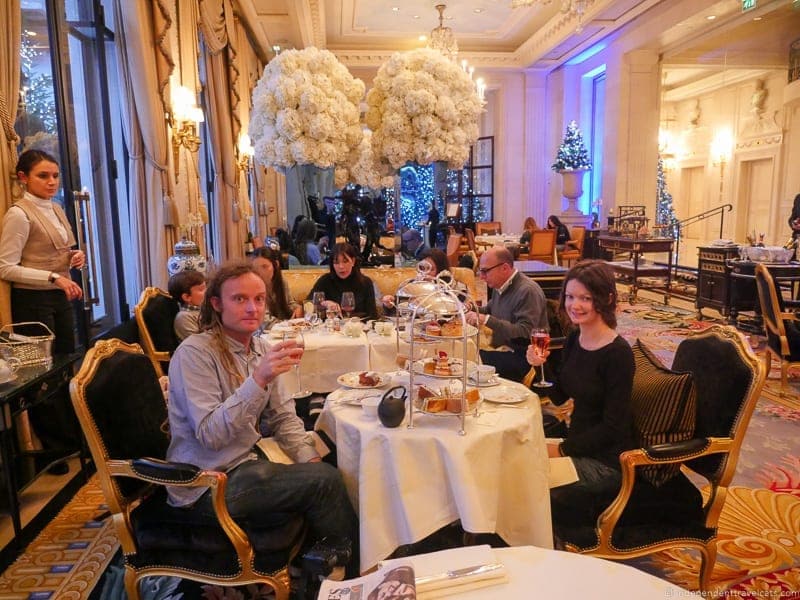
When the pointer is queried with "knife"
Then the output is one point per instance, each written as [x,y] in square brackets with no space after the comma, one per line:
[458,573]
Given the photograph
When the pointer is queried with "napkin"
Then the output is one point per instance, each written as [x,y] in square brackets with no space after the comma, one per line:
[436,563]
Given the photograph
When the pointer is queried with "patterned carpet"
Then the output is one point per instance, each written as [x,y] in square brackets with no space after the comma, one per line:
[759,548]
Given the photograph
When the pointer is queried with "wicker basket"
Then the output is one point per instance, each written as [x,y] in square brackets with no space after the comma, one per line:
[31,350]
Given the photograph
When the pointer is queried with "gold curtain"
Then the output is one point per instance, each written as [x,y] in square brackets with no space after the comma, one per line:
[145,63]
[10,40]
[221,75]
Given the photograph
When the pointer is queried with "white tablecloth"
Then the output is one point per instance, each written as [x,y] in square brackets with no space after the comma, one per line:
[540,573]
[329,355]
[505,239]
[407,483]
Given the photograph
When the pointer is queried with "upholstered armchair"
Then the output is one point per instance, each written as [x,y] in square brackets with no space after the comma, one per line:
[488,228]
[155,317]
[542,246]
[783,328]
[573,249]
[694,417]
[122,412]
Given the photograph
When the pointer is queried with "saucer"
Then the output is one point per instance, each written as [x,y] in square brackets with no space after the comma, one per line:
[482,384]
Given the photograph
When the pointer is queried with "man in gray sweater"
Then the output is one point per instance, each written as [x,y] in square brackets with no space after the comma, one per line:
[517,306]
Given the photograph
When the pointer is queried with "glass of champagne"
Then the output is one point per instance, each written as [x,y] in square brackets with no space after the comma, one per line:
[540,338]
[299,340]
[348,303]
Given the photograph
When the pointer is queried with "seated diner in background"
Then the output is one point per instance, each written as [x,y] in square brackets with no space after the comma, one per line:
[221,390]
[305,243]
[596,377]
[187,288]
[562,233]
[280,304]
[529,226]
[516,307]
[345,276]
[436,260]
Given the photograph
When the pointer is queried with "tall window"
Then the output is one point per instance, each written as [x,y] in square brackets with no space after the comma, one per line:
[68,108]
[596,150]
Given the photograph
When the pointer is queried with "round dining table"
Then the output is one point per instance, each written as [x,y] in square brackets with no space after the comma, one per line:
[407,483]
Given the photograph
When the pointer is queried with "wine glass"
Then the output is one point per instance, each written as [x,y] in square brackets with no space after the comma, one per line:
[298,339]
[348,303]
[540,338]
[318,298]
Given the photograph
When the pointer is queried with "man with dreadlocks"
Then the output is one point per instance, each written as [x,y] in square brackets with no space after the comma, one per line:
[221,389]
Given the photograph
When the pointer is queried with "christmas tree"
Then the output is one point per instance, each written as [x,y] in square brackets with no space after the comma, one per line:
[572,154]
[665,214]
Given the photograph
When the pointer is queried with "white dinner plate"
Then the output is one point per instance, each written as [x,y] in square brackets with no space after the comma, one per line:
[351,379]
[505,394]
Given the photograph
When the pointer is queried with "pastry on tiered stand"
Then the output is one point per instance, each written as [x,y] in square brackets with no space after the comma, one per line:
[442,366]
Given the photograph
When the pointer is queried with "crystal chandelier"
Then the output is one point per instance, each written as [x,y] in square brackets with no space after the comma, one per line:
[442,38]
[571,7]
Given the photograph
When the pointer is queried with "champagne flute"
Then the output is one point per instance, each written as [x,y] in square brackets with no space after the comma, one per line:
[540,338]
[299,340]
[348,303]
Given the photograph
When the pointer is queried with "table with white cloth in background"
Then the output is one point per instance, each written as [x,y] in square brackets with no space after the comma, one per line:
[328,355]
[407,483]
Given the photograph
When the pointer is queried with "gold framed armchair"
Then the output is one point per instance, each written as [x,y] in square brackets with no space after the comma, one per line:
[488,228]
[155,318]
[782,327]
[122,412]
[573,250]
[652,514]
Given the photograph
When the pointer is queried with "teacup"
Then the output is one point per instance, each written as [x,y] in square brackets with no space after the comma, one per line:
[8,367]
[483,373]
[369,406]
[384,328]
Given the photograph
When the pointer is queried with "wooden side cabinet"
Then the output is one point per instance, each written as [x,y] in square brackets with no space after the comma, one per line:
[713,278]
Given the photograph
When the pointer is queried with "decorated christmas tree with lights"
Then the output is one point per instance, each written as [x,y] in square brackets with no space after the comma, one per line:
[665,213]
[572,154]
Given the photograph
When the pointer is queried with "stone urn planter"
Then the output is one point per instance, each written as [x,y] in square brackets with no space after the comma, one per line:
[572,187]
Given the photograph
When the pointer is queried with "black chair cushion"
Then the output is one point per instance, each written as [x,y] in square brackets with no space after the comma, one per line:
[722,381]
[653,514]
[182,537]
[127,404]
[664,409]
[159,315]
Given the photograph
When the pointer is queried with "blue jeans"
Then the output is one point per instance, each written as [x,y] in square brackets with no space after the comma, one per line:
[315,490]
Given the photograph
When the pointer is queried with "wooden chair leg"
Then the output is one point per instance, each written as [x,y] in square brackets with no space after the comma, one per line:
[708,558]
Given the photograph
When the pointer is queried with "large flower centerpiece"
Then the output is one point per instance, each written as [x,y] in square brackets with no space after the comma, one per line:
[305,111]
[422,108]
[362,168]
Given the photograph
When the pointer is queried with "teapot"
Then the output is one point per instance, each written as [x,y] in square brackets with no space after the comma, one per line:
[8,369]
[392,408]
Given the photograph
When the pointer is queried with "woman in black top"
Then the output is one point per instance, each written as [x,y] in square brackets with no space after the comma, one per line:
[562,233]
[345,276]
[597,377]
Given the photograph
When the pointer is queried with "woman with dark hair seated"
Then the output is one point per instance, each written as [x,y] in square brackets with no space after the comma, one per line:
[562,233]
[280,304]
[288,259]
[346,276]
[305,243]
[596,377]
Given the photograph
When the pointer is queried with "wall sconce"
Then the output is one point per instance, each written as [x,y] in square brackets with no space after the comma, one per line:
[185,119]
[246,152]
[720,154]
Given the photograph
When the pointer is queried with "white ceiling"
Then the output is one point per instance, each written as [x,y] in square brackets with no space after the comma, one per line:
[492,35]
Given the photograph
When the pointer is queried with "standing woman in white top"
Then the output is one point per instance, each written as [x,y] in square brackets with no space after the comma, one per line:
[36,252]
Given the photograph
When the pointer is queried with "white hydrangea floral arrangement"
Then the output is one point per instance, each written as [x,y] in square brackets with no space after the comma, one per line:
[422,108]
[362,168]
[305,111]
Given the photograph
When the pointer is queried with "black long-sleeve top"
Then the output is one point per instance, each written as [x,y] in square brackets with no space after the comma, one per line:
[600,381]
[363,290]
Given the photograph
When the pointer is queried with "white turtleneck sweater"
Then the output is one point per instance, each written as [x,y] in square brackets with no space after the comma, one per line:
[13,238]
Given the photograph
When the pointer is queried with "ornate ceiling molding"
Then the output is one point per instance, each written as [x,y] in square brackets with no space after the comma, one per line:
[375,58]
[311,21]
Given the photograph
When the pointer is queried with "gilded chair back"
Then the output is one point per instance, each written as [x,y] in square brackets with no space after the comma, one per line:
[155,317]
[543,246]
[488,228]
[573,251]
[782,328]
[453,247]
